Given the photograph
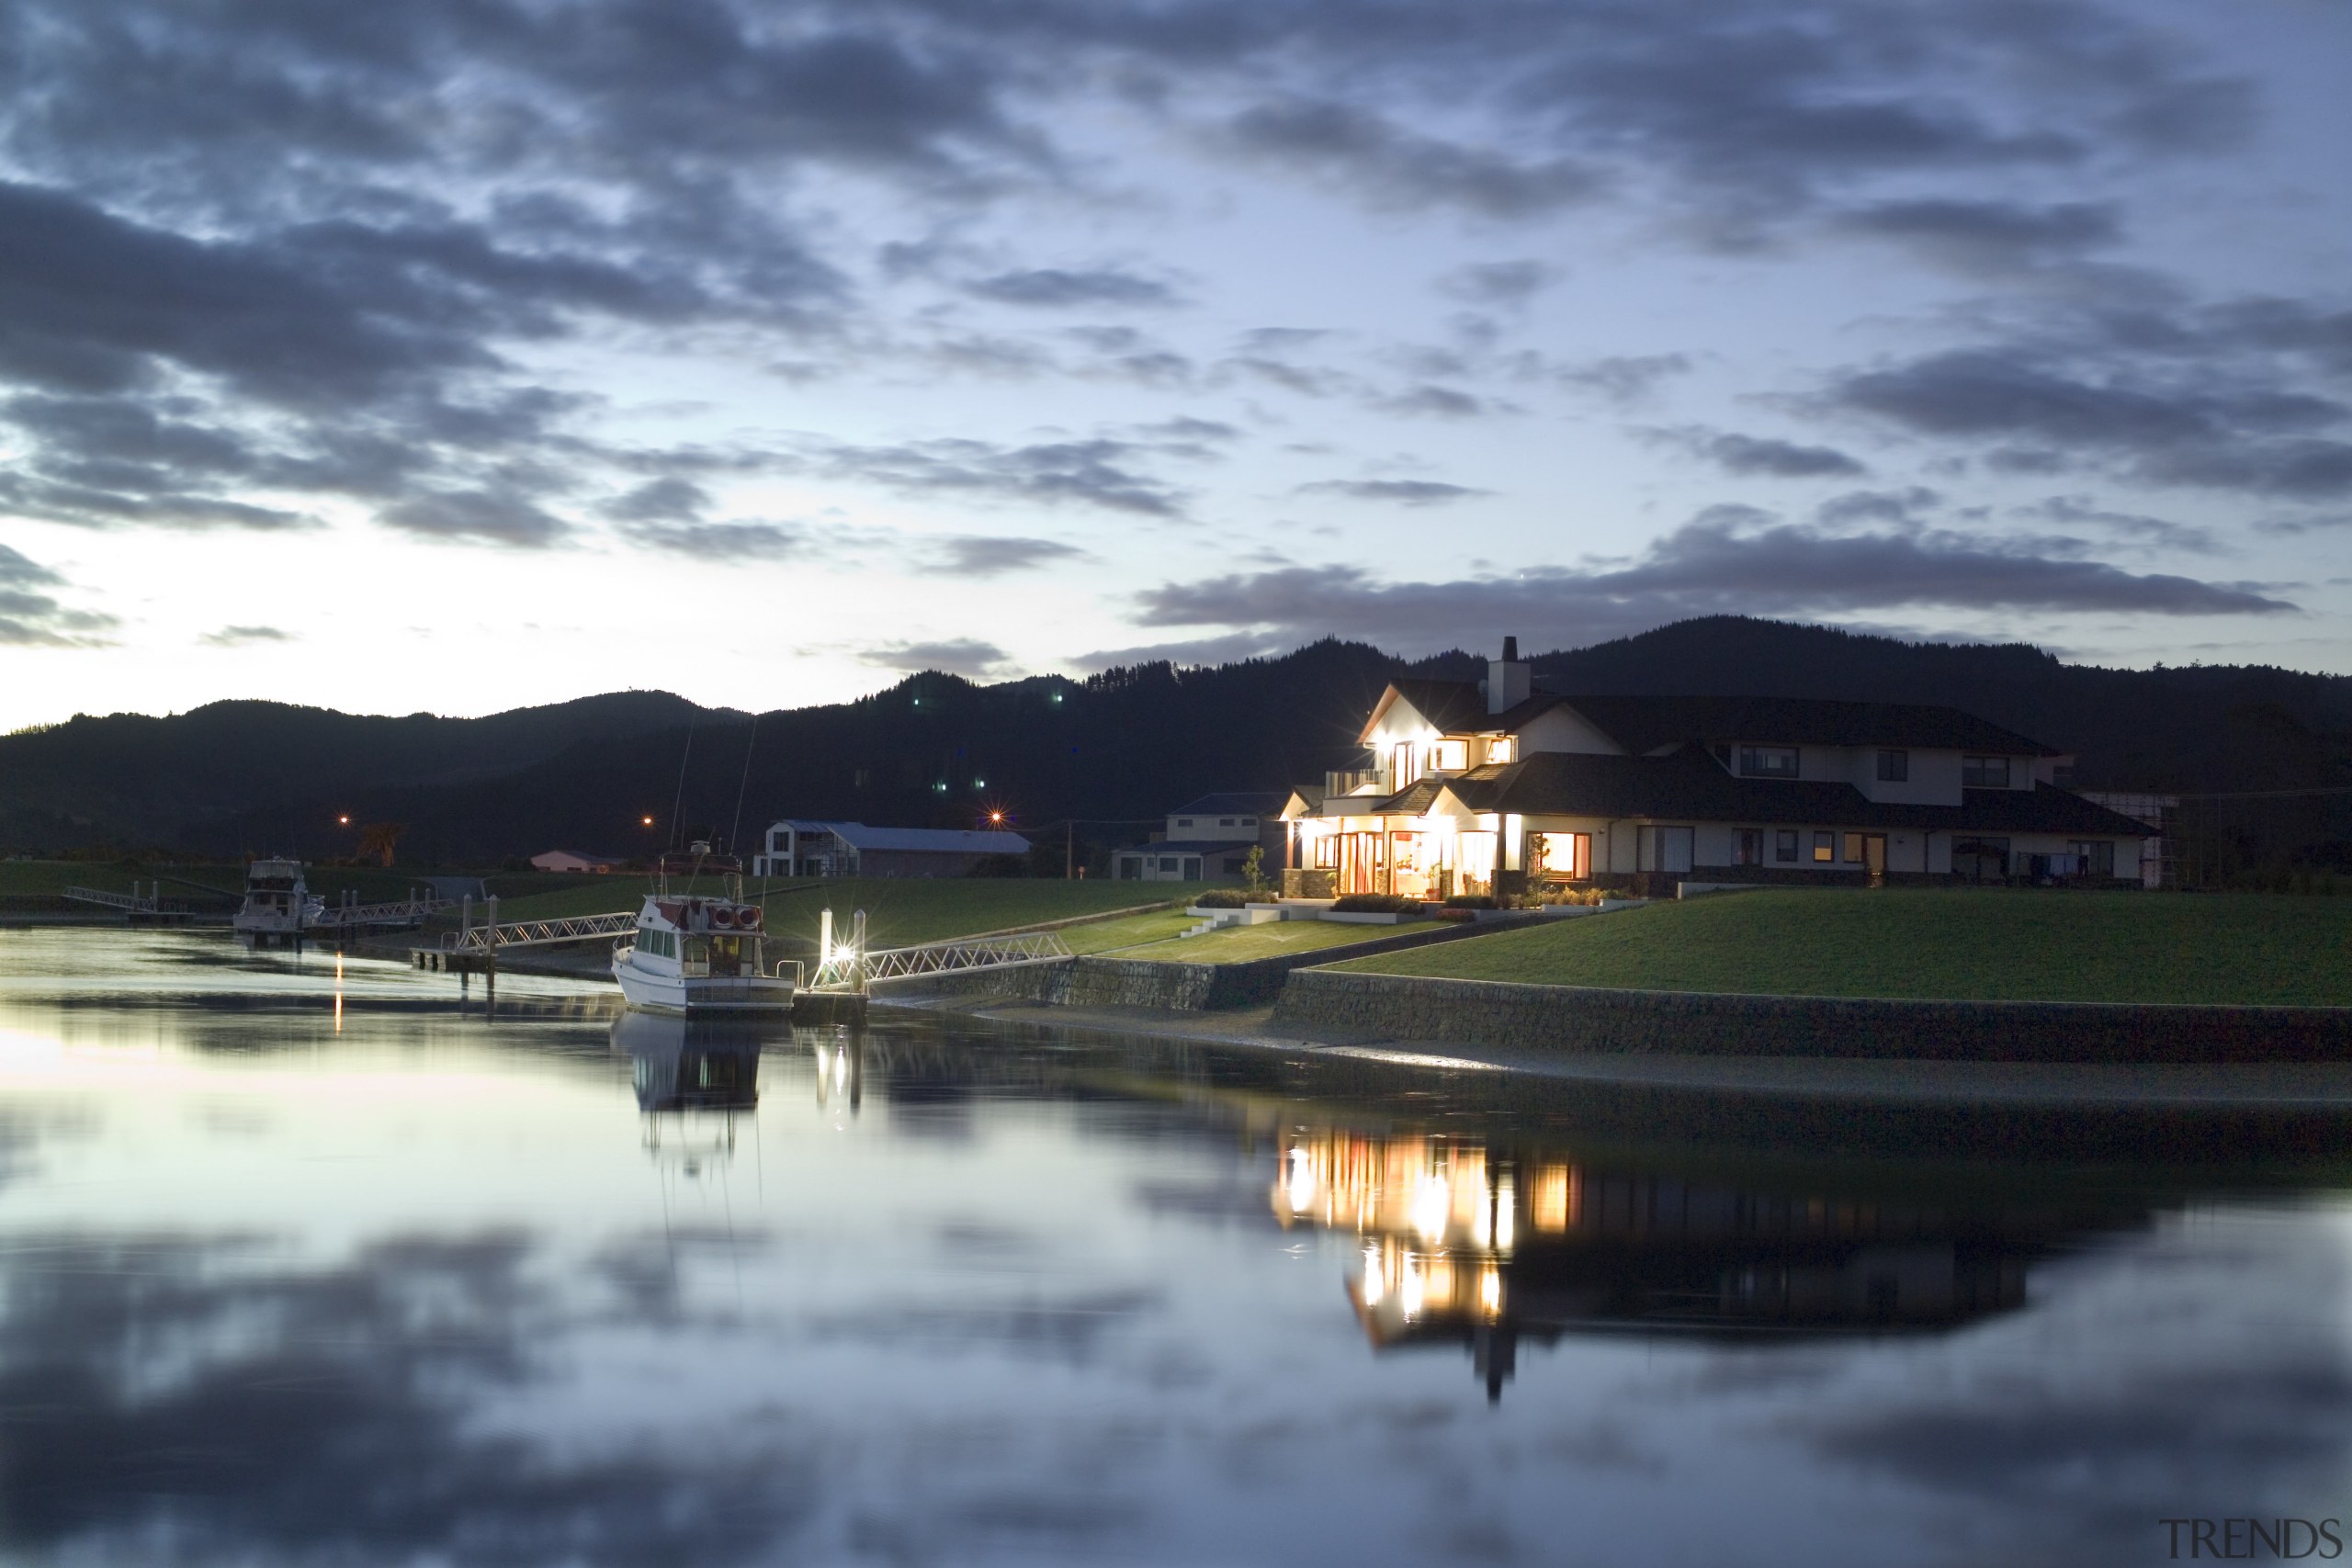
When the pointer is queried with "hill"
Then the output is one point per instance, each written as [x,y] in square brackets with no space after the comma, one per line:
[1127,744]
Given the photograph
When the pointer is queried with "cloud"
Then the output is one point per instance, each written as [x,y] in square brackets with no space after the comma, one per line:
[2137,526]
[31,619]
[1763,457]
[239,636]
[1093,473]
[1196,652]
[1726,560]
[1434,401]
[1625,378]
[1053,289]
[721,541]
[1393,167]
[984,555]
[479,516]
[1509,283]
[1404,492]
[670,498]
[956,656]
[1988,238]
[2204,431]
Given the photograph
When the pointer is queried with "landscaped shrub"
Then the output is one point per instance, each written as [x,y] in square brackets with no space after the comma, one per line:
[1470,901]
[1221,898]
[1574,896]
[1449,912]
[1377,904]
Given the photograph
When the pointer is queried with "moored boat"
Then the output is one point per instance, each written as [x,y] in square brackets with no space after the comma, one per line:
[278,905]
[699,955]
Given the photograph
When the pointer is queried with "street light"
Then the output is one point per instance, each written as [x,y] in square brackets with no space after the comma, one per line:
[344,820]
[645,822]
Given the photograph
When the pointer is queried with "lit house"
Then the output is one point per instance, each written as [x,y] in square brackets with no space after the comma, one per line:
[1494,787]
[1207,840]
[798,848]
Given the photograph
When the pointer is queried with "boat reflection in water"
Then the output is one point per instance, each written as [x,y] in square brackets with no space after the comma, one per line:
[689,1066]
[1466,1246]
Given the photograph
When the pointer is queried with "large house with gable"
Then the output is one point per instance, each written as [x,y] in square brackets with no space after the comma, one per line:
[1492,788]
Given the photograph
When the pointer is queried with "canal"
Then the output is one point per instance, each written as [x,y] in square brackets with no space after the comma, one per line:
[309,1260]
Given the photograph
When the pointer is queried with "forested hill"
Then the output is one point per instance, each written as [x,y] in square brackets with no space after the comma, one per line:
[1127,744]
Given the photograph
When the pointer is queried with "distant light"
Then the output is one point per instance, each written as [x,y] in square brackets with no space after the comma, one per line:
[344,820]
[979,783]
[996,816]
[645,822]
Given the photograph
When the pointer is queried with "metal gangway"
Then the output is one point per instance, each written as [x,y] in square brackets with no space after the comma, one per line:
[130,903]
[850,968]
[490,937]
[399,912]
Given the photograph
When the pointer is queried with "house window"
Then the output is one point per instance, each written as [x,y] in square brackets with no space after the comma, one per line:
[1501,749]
[1554,854]
[1450,756]
[1224,821]
[1751,847]
[2096,855]
[1408,768]
[1183,821]
[1851,851]
[1984,773]
[1666,849]
[1167,862]
[1893,767]
[1769,762]
[1785,844]
[1980,860]
[1823,851]
[1249,821]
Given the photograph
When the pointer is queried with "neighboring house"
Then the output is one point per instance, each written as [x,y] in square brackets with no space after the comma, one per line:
[573,860]
[1208,839]
[1492,786]
[795,847]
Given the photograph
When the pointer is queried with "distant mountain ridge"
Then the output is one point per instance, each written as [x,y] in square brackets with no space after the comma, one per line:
[1123,745]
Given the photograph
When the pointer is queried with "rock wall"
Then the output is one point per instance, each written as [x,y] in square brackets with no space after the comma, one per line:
[1581,1019]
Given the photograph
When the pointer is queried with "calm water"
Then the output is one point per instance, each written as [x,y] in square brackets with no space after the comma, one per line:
[296,1269]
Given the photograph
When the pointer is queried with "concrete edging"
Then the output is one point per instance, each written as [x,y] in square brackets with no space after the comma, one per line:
[1590,1019]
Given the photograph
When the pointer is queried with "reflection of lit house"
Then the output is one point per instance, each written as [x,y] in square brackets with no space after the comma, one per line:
[1208,839]
[1491,786]
[573,860]
[795,848]
[1461,1246]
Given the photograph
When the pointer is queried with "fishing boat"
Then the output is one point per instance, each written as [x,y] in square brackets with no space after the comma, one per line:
[278,905]
[700,955]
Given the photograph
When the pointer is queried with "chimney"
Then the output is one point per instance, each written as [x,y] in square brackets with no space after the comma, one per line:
[1508,681]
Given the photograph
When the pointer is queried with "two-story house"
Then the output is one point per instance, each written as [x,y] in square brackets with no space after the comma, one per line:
[1492,786]
[1208,839]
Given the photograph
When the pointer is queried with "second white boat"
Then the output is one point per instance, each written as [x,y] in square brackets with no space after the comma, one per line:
[699,956]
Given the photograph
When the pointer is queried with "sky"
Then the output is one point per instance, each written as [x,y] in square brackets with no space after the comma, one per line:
[462,355]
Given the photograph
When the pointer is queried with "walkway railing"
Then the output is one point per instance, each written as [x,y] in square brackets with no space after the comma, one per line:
[849,970]
[539,933]
[130,901]
[400,912]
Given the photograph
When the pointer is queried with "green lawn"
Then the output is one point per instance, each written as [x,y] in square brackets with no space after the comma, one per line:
[1977,945]
[900,911]
[1239,944]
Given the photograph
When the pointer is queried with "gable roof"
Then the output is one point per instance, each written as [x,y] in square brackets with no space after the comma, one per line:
[1455,707]
[1233,803]
[1644,724]
[1687,787]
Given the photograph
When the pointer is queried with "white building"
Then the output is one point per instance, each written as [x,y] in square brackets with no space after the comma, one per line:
[1490,787]
[1208,839]
[800,847]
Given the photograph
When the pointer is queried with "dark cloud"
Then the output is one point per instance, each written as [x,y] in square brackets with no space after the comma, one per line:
[986,555]
[1393,166]
[1509,283]
[479,516]
[1093,473]
[1764,457]
[239,636]
[1054,289]
[2156,533]
[721,541]
[1988,237]
[32,619]
[1207,652]
[956,656]
[1434,401]
[2203,431]
[670,498]
[1876,506]
[1404,492]
[1731,560]
[1625,378]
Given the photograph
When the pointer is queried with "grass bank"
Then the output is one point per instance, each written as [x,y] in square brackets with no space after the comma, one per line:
[1973,945]
[1240,945]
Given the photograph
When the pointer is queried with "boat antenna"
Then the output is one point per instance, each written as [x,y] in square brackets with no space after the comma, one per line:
[678,801]
[742,784]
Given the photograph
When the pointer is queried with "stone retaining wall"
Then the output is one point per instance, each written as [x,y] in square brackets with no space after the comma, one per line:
[1584,1019]
[1141,982]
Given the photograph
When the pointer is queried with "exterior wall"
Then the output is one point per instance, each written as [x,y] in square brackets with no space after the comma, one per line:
[1144,864]
[1933,780]
[1217,829]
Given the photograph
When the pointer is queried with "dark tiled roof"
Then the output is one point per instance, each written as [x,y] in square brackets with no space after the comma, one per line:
[1454,706]
[1413,799]
[1688,786]
[1233,803]
[1644,724]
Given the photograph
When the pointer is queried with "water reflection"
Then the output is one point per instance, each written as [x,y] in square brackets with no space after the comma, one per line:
[1465,1245]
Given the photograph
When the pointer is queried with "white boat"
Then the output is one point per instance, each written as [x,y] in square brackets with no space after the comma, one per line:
[278,905]
[699,957]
